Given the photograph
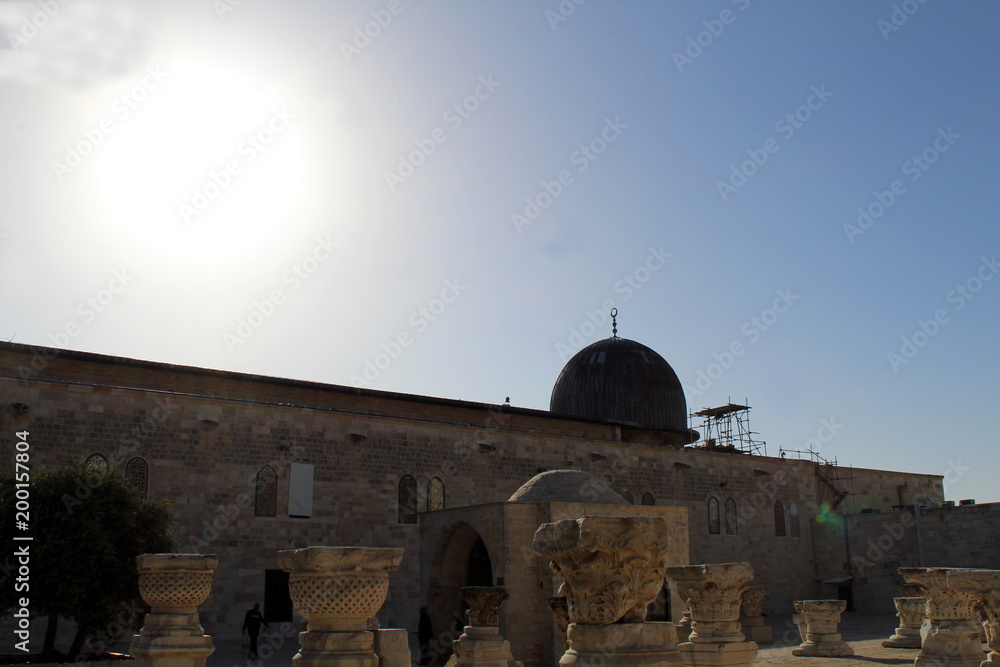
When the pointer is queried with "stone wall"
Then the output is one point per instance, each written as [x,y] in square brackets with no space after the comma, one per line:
[206,434]
[880,543]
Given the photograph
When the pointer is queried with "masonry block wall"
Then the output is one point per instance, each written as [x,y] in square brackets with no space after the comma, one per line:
[206,435]
[877,544]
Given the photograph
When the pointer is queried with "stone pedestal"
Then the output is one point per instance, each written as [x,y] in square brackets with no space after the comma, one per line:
[173,585]
[612,569]
[392,646]
[713,594]
[481,644]
[911,613]
[337,589]
[621,645]
[752,615]
[953,637]
[822,638]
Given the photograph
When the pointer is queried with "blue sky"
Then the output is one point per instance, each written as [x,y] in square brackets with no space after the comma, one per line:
[443,199]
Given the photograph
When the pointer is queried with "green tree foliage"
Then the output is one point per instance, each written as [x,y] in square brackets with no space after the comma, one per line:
[88,525]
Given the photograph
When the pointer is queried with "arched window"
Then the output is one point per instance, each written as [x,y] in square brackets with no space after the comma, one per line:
[266,496]
[731,526]
[629,498]
[137,473]
[435,494]
[648,499]
[779,519]
[96,462]
[714,527]
[793,520]
[407,499]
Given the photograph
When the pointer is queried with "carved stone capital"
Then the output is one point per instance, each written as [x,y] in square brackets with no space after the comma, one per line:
[484,604]
[339,588]
[954,636]
[911,612]
[984,586]
[175,583]
[944,602]
[713,593]
[821,619]
[752,601]
[612,567]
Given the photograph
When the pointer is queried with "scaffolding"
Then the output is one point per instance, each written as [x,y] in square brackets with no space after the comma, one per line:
[727,428]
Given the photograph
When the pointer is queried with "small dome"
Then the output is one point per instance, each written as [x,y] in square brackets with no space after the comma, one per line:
[566,486]
[622,381]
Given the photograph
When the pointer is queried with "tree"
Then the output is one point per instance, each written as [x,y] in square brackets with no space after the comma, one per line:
[87,525]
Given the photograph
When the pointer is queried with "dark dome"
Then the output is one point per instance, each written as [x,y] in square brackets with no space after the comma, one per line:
[620,380]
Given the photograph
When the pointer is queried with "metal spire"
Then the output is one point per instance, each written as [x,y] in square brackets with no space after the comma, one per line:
[614,323]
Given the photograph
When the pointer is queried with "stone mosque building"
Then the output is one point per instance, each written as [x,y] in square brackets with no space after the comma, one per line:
[257,464]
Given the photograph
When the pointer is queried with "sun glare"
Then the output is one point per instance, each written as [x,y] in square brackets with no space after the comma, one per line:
[201,161]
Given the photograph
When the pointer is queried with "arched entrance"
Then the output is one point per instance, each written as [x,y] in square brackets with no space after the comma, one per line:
[461,559]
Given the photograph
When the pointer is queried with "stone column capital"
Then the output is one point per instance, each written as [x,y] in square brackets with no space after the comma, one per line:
[175,583]
[752,601]
[484,604]
[612,567]
[337,589]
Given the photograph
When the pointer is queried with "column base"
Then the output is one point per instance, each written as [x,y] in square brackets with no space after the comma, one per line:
[621,645]
[481,646]
[904,638]
[951,644]
[824,650]
[737,654]
[336,649]
[171,651]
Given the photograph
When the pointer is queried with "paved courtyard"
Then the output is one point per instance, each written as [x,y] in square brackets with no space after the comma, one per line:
[863,631]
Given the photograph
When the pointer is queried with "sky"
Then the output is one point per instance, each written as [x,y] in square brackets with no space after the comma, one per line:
[793,203]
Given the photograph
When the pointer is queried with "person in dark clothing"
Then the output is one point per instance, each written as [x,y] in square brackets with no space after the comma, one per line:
[424,635]
[251,625]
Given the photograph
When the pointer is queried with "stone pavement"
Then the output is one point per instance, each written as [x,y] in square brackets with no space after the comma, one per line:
[863,631]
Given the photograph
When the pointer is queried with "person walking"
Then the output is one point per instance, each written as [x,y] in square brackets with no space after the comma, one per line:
[251,625]
[424,635]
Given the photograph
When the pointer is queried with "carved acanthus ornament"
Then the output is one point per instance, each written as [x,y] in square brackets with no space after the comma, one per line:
[612,567]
